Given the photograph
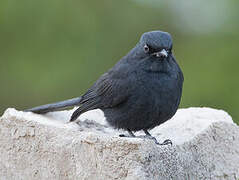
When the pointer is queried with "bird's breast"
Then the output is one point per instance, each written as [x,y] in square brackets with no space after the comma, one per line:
[161,90]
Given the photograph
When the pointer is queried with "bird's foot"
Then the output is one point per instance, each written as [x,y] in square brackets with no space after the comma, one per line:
[166,142]
[149,136]
[146,136]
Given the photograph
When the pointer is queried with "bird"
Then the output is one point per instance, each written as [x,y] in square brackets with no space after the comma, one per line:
[140,92]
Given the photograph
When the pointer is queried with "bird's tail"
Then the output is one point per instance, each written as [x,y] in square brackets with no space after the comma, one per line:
[55,106]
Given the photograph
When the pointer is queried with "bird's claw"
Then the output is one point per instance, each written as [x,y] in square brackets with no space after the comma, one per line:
[167,142]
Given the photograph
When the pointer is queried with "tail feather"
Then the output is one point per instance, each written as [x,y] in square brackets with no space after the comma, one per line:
[55,106]
[75,115]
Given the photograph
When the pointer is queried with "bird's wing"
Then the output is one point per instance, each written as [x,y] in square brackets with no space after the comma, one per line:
[108,91]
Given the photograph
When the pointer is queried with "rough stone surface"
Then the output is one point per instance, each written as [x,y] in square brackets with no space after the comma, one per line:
[205,146]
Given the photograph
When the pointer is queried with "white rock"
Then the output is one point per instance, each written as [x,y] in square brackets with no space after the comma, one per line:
[205,146]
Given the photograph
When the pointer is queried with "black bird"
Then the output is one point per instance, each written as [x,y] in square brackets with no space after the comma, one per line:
[141,91]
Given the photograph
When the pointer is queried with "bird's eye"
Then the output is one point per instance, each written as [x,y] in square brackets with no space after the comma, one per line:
[146,48]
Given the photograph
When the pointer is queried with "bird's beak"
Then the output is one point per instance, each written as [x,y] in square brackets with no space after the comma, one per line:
[161,54]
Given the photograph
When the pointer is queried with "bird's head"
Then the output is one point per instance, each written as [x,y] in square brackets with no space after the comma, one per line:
[156,45]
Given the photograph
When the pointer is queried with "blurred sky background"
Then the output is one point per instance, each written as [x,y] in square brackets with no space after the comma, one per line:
[52,50]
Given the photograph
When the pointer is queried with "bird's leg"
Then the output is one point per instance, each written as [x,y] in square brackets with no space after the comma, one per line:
[130,134]
[148,135]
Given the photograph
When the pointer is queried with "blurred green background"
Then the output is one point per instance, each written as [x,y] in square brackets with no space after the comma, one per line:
[51,50]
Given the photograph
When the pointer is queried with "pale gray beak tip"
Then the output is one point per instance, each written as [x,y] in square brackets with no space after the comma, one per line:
[164,53]
[161,54]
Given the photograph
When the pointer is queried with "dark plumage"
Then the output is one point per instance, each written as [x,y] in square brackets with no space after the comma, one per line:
[141,91]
